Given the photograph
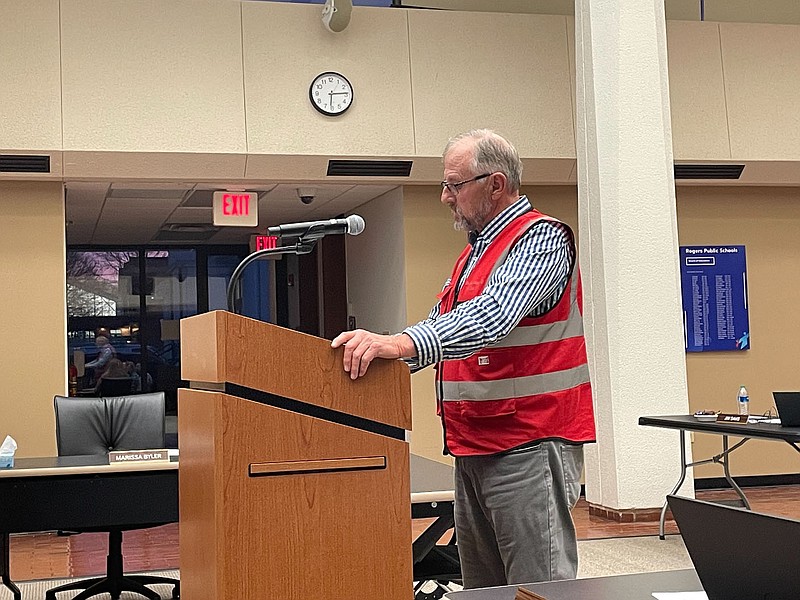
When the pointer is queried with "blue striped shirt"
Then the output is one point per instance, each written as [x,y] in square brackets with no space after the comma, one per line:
[529,282]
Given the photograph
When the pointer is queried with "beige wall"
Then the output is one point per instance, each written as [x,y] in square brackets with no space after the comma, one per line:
[766,221]
[461,86]
[32,305]
[431,247]
[30,83]
[743,11]
[372,53]
[375,267]
[697,91]
[747,11]
[761,63]
[147,75]
[192,90]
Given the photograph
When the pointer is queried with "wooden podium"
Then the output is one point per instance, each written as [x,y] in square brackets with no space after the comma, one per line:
[294,479]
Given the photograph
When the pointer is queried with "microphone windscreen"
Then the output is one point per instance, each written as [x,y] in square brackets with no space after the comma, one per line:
[355,224]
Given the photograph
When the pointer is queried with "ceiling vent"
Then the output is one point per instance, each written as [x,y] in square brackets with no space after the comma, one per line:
[22,163]
[199,199]
[369,168]
[185,232]
[699,171]
[146,193]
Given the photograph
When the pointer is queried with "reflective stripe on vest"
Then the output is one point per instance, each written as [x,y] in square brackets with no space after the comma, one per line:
[515,387]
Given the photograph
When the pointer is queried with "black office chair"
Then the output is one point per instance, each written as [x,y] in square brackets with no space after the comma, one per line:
[87,426]
[437,563]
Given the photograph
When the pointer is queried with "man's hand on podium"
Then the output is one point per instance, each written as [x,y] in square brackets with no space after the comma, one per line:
[361,347]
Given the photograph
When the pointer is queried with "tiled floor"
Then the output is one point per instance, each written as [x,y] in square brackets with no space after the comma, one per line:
[43,556]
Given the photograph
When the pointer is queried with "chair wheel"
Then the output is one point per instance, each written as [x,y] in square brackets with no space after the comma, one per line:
[436,593]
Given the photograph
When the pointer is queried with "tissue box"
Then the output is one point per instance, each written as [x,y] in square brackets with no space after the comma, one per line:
[6,461]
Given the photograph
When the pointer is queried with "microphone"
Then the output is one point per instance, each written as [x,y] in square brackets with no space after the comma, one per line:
[352,225]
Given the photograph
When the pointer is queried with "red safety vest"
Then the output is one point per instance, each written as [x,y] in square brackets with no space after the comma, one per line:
[533,384]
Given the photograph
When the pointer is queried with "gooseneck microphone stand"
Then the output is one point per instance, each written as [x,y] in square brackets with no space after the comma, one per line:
[302,246]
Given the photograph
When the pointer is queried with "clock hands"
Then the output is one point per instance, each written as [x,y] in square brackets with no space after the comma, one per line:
[331,94]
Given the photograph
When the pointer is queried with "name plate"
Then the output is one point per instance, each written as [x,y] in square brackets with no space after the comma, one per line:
[120,456]
[723,418]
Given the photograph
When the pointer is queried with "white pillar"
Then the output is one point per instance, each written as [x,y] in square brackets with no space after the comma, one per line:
[628,250]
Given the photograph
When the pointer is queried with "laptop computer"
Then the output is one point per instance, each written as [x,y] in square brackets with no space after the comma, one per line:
[788,405]
[739,554]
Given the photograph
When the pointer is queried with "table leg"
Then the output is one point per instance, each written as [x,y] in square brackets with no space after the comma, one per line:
[5,572]
[678,485]
[727,472]
[426,541]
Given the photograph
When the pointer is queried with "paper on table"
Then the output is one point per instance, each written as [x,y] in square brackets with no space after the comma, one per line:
[680,596]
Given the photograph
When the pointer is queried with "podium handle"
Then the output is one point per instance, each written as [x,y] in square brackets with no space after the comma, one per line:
[301,247]
[328,465]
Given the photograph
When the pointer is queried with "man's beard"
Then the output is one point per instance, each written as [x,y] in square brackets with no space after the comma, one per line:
[462,223]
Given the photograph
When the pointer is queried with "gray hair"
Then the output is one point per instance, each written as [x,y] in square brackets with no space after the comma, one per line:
[493,153]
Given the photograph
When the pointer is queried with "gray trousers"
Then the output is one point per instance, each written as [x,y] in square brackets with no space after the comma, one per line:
[513,520]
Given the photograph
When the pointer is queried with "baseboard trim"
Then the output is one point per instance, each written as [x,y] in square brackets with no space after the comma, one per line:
[632,515]
[713,483]
[640,515]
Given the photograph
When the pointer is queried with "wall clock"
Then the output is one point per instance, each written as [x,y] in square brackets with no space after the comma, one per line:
[331,93]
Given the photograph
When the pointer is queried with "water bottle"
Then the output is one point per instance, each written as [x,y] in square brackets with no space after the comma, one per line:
[743,399]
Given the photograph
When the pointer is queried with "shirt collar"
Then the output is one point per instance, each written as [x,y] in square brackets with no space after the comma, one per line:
[496,225]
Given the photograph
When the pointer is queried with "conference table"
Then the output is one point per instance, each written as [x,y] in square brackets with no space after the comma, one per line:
[758,429]
[639,586]
[86,492]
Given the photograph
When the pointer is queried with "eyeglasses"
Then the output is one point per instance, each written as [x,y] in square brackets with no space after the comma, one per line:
[454,187]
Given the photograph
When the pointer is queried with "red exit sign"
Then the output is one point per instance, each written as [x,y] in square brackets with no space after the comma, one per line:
[236,209]
[262,242]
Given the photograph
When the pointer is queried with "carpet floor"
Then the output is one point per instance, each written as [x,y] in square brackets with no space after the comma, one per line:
[35,590]
[620,556]
[597,558]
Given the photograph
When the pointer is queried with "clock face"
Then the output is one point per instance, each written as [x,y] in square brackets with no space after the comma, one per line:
[331,93]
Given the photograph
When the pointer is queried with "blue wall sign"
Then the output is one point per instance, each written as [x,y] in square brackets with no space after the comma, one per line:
[714,290]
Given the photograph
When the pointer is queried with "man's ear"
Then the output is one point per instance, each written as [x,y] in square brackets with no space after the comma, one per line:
[499,184]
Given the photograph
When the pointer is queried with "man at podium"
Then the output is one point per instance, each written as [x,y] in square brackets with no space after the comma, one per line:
[512,381]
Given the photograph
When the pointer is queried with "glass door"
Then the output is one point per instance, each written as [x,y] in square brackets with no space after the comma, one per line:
[124,308]
[103,317]
[168,293]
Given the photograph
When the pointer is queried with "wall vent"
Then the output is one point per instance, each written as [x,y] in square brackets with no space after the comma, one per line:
[369,168]
[699,171]
[24,163]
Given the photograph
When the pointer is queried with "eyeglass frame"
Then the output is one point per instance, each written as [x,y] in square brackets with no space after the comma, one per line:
[453,188]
